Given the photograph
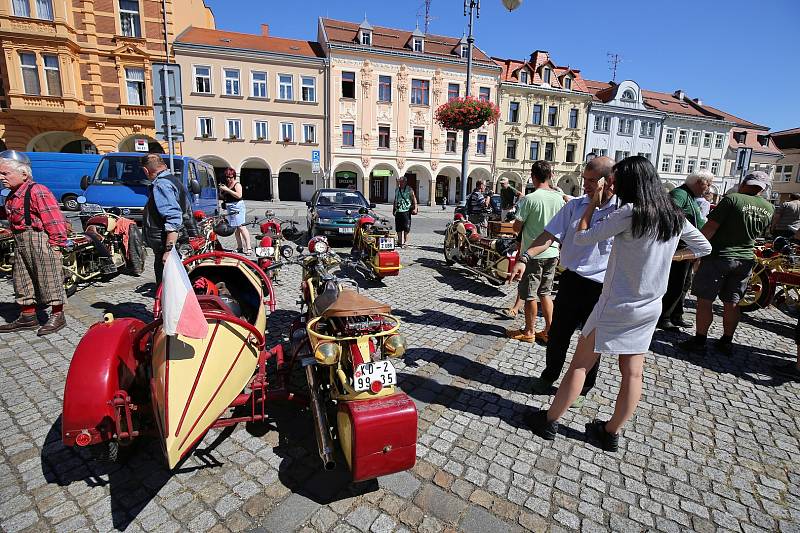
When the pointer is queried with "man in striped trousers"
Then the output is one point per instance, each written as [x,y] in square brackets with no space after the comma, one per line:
[40,231]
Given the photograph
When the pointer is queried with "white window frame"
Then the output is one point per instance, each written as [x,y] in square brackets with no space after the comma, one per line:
[282,95]
[523,76]
[136,18]
[683,137]
[366,37]
[24,13]
[703,164]
[488,96]
[577,118]
[256,124]
[253,83]
[451,135]
[142,86]
[287,127]
[33,68]
[352,124]
[568,83]
[719,140]
[200,128]
[478,143]
[694,140]
[313,88]
[666,163]
[707,136]
[208,78]
[669,136]
[625,126]
[530,150]
[715,168]
[313,129]
[236,81]
[232,124]
[418,44]
[690,165]
[464,51]
[547,75]
[678,166]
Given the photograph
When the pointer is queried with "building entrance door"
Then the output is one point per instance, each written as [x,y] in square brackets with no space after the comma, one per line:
[378,189]
[442,188]
[289,186]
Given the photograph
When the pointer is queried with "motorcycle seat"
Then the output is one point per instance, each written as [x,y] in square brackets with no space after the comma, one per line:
[329,294]
[351,303]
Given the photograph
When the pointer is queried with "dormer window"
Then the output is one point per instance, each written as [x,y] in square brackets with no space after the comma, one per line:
[546,72]
[567,82]
[418,44]
[763,140]
[740,136]
[628,96]
[464,50]
[523,76]
[366,38]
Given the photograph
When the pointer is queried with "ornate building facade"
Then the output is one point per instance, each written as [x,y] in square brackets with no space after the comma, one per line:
[385,85]
[543,110]
[77,74]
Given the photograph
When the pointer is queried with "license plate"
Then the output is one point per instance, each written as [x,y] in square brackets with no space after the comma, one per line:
[265,251]
[386,243]
[346,230]
[367,373]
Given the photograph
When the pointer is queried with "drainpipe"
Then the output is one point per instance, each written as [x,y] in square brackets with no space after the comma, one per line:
[327,118]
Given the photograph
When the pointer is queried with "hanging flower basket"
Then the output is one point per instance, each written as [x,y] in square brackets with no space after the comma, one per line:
[466,114]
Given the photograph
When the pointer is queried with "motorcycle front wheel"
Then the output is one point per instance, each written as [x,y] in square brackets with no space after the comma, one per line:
[70,279]
[449,246]
[758,291]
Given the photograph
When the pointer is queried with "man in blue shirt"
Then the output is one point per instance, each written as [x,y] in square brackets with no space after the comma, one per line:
[579,286]
[166,212]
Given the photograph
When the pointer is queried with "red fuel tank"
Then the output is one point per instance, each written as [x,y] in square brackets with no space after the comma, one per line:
[378,437]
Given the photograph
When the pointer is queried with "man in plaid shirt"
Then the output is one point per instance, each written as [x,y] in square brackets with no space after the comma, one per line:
[40,231]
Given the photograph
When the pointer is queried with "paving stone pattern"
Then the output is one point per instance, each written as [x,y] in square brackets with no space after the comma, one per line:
[713,445]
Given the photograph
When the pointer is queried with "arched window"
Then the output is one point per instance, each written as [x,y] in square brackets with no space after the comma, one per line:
[628,95]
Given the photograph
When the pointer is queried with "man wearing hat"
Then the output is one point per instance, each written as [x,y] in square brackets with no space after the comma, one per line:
[732,228]
[40,231]
[508,197]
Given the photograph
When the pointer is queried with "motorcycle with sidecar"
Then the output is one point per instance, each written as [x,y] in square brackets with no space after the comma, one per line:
[491,258]
[273,237]
[775,277]
[373,249]
[345,342]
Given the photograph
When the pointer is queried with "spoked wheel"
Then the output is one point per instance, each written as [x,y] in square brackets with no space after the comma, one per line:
[70,278]
[756,295]
[449,247]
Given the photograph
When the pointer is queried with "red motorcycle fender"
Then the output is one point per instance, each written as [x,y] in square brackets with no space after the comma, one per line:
[104,362]
[390,261]
[378,437]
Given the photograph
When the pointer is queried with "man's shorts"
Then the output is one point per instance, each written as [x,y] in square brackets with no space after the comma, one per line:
[402,221]
[726,278]
[537,280]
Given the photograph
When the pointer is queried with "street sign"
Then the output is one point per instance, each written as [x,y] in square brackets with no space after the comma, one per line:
[140,145]
[176,116]
[173,72]
[315,161]
[170,73]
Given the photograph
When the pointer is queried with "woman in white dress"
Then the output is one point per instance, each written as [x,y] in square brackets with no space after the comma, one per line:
[646,230]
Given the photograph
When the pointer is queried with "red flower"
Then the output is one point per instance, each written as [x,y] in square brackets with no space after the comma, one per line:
[466,114]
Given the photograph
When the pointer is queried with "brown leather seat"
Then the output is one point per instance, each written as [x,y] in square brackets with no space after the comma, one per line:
[351,303]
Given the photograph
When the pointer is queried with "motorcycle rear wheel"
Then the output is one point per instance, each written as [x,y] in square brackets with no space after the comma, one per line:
[756,295]
[448,245]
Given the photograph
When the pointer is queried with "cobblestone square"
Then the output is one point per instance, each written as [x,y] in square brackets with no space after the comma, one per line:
[714,444]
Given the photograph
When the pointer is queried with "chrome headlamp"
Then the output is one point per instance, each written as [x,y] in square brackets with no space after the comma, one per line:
[327,353]
[395,345]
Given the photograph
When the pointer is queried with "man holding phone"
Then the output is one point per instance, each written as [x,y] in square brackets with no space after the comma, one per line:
[581,282]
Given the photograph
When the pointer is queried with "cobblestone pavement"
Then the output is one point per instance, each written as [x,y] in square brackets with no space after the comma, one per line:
[713,445]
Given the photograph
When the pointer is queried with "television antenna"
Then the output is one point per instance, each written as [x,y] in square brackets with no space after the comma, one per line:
[428,18]
[613,61]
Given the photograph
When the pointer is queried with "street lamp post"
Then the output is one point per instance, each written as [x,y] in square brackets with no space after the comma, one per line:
[472,9]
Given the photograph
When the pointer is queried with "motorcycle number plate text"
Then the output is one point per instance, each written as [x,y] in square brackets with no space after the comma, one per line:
[346,230]
[367,373]
[386,243]
[265,251]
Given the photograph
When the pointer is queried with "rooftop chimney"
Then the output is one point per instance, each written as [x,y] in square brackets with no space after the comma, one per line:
[539,56]
[697,101]
[679,94]
[265,30]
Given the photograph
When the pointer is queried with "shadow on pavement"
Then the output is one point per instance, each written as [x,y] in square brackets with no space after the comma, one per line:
[429,317]
[469,304]
[126,309]
[460,279]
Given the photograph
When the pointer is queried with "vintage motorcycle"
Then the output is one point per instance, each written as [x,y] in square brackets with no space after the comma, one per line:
[775,276]
[492,259]
[128,379]
[207,241]
[374,251]
[345,342]
[273,237]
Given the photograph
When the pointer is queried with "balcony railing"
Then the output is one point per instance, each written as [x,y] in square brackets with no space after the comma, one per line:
[136,111]
[45,103]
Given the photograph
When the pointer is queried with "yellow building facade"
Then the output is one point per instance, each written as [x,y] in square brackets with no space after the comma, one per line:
[543,110]
[77,76]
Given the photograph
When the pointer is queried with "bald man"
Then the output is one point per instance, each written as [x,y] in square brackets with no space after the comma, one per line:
[580,284]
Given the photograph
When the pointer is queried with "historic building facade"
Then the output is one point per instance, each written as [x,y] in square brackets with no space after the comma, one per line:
[256,103]
[77,75]
[385,85]
[620,125]
[543,111]
[787,169]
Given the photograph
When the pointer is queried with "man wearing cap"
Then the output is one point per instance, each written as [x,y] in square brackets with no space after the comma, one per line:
[508,197]
[732,228]
[40,231]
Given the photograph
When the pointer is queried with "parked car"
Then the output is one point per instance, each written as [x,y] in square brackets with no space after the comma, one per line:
[62,173]
[334,212]
[119,181]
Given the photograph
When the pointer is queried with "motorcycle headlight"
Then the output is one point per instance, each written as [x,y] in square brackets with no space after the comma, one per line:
[287,251]
[327,353]
[91,208]
[395,345]
[320,247]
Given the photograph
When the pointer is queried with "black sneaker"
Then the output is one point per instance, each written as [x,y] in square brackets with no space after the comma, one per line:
[681,322]
[726,347]
[608,441]
[693,346]
[537,421]
[666,325]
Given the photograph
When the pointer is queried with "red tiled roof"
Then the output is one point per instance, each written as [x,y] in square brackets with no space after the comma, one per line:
[601,91]
[751,141]
[733,118]
[339,31]
[511,68]
[248,41]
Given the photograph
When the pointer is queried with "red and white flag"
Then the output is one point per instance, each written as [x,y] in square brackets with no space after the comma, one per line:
[180,309]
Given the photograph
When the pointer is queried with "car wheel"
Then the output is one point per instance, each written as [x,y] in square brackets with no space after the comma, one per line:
[70,202]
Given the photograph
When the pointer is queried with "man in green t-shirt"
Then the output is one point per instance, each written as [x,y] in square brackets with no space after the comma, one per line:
[732,228]
[534,211]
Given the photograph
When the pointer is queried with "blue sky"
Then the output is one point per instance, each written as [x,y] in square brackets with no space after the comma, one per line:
[739,55]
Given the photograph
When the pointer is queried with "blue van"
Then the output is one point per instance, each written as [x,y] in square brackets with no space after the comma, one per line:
[62,174]
[119,181]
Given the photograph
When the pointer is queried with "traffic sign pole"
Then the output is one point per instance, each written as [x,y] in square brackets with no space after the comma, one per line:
[165,80]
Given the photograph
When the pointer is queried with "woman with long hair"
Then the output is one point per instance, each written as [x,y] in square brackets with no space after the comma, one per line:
[231,193]
[646,230]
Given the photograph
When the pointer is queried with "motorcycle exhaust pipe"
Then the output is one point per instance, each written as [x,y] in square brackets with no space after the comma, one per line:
[324,441]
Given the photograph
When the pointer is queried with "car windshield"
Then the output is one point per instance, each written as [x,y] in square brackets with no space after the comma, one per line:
[341,199]
[125,170]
